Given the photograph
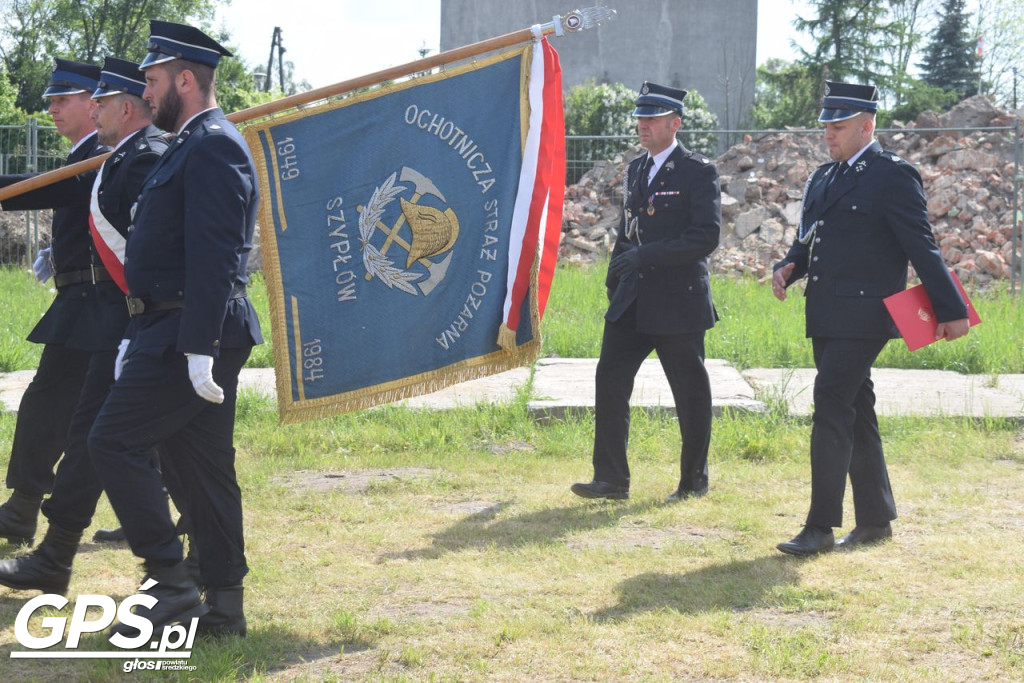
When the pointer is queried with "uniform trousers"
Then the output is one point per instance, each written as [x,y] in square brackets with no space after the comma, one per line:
[154,403]
[44,415]
[845,438]
[76,488]
[623,350]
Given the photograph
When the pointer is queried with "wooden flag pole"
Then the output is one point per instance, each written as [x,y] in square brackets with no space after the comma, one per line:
[573,22]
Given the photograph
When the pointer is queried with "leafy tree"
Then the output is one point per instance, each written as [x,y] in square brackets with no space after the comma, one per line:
[1001,25]
[918,96]
[697,117]
[950,60]
[36,31]
[787,94]
[902,36]
[606,110]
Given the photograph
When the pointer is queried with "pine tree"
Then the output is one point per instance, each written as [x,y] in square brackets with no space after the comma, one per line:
[951,60]
[846,34]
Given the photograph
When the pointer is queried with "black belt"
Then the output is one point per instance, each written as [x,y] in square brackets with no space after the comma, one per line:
[138,306]
[77,277]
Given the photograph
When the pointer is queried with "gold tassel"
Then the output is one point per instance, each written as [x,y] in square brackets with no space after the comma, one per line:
[506,338]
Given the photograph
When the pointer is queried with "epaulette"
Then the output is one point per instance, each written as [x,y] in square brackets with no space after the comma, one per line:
[697,157]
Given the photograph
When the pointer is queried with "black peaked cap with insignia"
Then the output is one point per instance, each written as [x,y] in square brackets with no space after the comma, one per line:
[845,100]
[169,41]
[119,76]
[71,78]
[659,100]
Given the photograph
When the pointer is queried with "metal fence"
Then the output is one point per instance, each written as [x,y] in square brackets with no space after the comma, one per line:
[27,149]
[31,147]
[584,152]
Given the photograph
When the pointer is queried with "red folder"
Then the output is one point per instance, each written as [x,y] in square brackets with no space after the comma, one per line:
[912,312]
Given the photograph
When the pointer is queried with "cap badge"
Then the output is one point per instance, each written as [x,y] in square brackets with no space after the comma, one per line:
[644,89]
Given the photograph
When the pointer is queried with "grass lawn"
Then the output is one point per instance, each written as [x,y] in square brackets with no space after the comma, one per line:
[394,544]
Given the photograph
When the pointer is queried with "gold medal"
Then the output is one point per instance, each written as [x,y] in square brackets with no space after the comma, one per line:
[650,207]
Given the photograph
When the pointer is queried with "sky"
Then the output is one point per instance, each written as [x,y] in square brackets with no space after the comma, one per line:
[333,40]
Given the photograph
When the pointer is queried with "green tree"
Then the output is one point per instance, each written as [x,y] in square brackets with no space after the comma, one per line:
[34,32]
[846,38]
[606,110]
[950,60]
[787,94]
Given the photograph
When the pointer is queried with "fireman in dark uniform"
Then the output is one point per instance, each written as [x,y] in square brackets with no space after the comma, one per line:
[77,322]
[864,217]
[192,330]
[660,294]
[123,121]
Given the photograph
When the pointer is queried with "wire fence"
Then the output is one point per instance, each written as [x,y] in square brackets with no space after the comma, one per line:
[30,148]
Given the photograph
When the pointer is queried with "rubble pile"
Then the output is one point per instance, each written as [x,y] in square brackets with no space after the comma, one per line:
[968,179]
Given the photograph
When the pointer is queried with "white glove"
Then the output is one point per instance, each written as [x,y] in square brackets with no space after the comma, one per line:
[119,361]
[200,371]
[43,267]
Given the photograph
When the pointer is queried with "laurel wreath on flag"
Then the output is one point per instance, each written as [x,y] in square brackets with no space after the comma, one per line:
[377,264]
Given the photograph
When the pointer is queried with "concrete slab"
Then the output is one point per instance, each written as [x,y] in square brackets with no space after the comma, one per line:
[12,386]
[565,386]
[935,393]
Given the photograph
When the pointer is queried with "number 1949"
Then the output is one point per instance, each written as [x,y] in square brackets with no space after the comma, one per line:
[287,162]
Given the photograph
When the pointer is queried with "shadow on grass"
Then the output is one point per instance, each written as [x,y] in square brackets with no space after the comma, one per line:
[544,527]
[736,585]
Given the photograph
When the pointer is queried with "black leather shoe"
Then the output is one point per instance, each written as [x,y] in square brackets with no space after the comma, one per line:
[864,534]
[18,518]
[109,535]
[601,489]
[226,617]
[177,600]
[810,541]
[47,568]
[682,494]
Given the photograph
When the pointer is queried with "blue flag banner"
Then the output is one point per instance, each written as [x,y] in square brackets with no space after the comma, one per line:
[408,232]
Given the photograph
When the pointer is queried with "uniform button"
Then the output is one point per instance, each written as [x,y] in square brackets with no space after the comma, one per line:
[216,343]
[641,276]
[854,207]
[862,292]
[817,239]
[821,223]
[815,278]
[815,258]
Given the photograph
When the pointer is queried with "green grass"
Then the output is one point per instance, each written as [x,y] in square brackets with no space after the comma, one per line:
[396,544]
[756,331]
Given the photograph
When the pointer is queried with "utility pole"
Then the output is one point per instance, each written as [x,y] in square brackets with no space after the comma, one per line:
[275,44]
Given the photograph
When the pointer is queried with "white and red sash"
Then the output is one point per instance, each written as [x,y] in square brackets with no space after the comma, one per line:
[109,242]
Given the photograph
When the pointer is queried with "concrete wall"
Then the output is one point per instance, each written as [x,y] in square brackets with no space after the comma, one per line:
[706,45]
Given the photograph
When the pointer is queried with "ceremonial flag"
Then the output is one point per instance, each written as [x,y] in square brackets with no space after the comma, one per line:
[410,232]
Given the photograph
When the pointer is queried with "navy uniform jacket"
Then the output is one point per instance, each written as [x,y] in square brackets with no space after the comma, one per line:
[75,317]
[874,220]
[672,289]
[123,173]
[192,234]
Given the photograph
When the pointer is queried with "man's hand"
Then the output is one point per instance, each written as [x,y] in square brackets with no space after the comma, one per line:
[954,329]
[119,361]
[625,263]
[200,371]
[779,278]
[43,267]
